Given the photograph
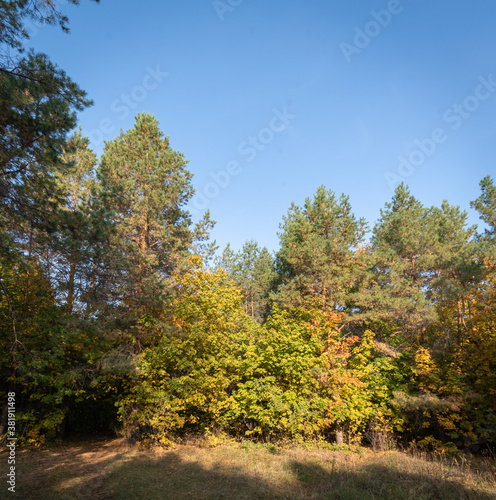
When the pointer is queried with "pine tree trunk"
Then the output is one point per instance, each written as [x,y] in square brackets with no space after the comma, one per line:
[70,293]
[91,288]
[27,285]
[459,329]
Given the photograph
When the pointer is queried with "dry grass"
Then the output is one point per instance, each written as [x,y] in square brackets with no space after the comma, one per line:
[113,470]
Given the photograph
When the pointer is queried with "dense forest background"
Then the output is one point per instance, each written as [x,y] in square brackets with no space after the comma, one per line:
[117,313]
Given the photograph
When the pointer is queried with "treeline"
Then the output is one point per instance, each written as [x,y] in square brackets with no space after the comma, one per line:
[397,335]
[116,313]
[113,319]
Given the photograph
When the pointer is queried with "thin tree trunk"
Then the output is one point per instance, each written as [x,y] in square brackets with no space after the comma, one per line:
[470,315]
[339,432]
[90,288]
[459,325]
[463,315]
[70,293]
[26,288]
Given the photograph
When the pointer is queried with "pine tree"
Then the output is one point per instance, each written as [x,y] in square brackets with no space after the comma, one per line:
[145,186]
[34,120]
[457,272]
[316,260]
[255,275]
[400,265]
[38,104]
[485,204]
[228,260]
[72,243]
[252,269]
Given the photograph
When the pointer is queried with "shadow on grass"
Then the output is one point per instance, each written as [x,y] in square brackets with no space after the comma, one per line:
[171,477]
[377,481]
[238,475]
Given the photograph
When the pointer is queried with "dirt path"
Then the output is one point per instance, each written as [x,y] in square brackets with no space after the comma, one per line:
[74,470]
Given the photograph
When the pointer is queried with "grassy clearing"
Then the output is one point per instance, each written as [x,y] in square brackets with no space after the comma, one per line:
[113,470]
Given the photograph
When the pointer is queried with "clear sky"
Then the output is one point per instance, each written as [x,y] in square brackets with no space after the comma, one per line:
[270,99]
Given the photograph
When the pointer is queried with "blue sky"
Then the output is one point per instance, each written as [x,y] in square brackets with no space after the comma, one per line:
[269,100]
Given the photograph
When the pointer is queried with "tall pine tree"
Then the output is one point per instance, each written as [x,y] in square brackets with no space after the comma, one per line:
[316,260]
[400,263]
[145,186]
